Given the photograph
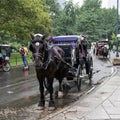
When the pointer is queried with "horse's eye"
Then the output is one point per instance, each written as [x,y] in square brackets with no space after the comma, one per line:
[37,43]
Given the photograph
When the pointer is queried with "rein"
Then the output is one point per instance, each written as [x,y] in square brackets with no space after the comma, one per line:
[40,55]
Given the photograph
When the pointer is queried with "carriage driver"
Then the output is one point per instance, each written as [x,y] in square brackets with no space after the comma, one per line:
[83,51]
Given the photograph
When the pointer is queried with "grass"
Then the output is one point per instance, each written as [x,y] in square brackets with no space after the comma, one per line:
[16,59]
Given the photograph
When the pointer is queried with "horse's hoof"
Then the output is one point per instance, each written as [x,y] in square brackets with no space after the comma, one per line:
[41,105]
[51,105]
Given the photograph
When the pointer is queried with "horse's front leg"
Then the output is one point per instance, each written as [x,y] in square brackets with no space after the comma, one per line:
[60,92]
[50,89]
[42,97]
[60,85]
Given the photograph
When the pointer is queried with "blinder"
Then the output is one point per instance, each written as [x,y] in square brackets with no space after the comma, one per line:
[37,48]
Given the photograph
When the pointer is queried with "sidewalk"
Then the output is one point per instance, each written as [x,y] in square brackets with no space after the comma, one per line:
[103,103]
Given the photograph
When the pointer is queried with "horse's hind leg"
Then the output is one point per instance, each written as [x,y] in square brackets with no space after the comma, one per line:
[60,92]
[50,89]
[42,97]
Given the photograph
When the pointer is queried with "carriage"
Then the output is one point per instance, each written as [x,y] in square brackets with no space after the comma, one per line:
[102,49]
[5,50]
[69,44]
[58,60]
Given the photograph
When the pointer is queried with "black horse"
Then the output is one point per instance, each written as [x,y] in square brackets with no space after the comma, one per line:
[105,52]
[48,65]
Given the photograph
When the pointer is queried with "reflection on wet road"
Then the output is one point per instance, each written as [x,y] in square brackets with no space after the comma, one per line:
[19,92]
[17,84]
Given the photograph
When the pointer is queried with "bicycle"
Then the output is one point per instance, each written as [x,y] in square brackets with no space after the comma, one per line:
[5,65]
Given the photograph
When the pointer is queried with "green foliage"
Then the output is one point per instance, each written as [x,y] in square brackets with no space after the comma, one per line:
[19,18]
[55,13]
[113,39]
[16,59]
[90,19]
[91,5]
[70,12]
[96,22]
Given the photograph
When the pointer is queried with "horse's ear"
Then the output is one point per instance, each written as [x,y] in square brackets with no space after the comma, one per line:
[31,48]
[32,36]
[44,36]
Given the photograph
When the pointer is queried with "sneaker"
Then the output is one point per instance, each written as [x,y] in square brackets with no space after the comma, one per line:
[26,67]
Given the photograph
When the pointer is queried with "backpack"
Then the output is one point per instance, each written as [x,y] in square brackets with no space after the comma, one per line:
[22,52]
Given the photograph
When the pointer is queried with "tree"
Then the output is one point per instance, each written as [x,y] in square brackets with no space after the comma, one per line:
[21,17]
[55,13]
[68,17]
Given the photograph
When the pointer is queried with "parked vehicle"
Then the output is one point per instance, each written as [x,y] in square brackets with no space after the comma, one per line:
[4,61]
[102,49]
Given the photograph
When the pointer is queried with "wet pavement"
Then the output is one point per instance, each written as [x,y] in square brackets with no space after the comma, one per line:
[20,97]
[100,103]
[103,103]
[17,84]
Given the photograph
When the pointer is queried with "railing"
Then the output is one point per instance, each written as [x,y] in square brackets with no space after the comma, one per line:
[16,59]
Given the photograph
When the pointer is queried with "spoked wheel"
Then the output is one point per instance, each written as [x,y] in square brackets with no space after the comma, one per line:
[79,77]
[90,72]
[6,66]
[90,75]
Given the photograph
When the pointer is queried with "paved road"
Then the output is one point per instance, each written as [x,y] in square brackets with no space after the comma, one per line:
[19,91]
[17,85]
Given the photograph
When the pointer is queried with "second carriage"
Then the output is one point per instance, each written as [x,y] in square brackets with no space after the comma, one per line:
[69,44]
[102,49]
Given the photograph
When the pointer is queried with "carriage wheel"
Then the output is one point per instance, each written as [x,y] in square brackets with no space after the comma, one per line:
[90,71]
[6,66]
[79,77]
[90,75]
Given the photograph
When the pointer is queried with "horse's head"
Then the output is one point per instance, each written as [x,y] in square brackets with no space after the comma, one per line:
[37,47]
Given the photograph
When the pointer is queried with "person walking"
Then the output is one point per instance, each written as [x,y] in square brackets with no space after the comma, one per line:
[24,51]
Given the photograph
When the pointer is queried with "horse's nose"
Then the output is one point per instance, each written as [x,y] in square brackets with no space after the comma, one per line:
[38,62]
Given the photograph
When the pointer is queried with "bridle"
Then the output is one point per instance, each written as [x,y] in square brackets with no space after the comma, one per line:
[38,52]
[38,55]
